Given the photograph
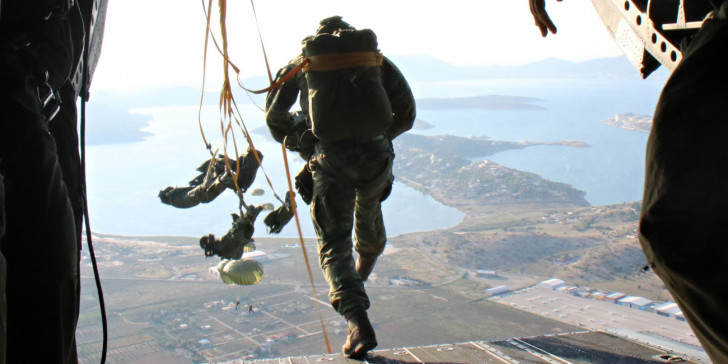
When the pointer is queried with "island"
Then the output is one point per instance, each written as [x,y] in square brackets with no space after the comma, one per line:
[630,121]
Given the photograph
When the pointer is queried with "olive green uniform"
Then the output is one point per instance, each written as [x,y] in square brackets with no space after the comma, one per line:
[351,177]
[350,181]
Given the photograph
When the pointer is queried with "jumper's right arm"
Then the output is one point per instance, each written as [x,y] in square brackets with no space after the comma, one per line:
[278,104]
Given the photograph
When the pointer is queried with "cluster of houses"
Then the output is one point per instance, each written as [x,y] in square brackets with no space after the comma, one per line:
[667,309]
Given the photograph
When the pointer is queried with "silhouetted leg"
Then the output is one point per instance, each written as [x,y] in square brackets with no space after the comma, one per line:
[684,222]
[40,242]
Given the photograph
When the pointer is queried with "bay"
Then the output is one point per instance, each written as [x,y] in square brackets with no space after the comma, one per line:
[610,170]
[124,179]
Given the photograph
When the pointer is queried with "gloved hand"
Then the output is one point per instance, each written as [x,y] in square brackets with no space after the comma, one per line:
[300,138]
[304,184]
[277,219]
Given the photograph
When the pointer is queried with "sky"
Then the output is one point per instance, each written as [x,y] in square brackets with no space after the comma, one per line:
[151,44]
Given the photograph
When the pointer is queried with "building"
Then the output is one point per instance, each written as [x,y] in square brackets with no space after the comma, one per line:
[552,284]
[496,290]
[204,343]
[405,281]
[486,273]
[634,302]
[614,296]
[668,309]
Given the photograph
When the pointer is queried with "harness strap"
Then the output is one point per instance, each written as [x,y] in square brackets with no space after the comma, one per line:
[337,61]
[328,62]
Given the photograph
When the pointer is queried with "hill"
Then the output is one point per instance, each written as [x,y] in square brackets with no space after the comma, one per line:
[519,222]
[439,166]
[416,68]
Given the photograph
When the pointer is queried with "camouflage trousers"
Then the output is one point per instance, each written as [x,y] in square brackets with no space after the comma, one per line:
[684,225]
[350,179]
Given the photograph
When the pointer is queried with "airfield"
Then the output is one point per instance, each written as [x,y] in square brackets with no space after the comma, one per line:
[165,305]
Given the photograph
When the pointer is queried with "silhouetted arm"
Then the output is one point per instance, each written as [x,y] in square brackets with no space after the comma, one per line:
[541,17]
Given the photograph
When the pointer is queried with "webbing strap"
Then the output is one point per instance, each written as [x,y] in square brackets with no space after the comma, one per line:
[208,146]
[337,61]
[303,247]
[260,36]
[229,107]
[327,62]
[283,79]
[292,195]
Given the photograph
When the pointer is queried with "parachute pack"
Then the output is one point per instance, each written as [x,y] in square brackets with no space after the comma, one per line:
[345,91]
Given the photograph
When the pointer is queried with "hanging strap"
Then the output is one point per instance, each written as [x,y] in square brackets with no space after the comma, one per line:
[327,62]
[337,61]
[279,83]
[292,195]
[303,247]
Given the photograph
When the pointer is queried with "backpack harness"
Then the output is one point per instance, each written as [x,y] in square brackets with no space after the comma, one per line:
[327,62]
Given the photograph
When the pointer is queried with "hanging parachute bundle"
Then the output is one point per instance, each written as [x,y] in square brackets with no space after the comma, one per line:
[214,180]
[237,240]
[221,172]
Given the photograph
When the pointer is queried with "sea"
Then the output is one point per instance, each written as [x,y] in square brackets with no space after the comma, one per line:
[125,179]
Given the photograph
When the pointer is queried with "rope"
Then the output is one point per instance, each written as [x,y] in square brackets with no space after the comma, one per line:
[260,36]
[235,68]
[260,163]
[204,74]
[293,198]
[303,247]
[228,105]
[89,240]
[84,197]
[230,110]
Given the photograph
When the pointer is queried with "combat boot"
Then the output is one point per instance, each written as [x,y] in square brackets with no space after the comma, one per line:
[364,266]
[361,337]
